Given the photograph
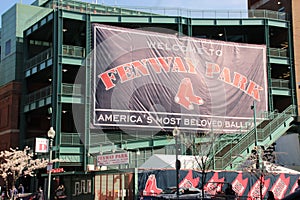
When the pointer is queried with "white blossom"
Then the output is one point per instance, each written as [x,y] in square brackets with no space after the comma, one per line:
[16,163]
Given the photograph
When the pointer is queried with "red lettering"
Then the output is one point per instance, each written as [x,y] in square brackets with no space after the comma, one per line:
[212,68]
[178,65]
[191,67]
[165,64]
[135,69]
[239,81]
[253,90]
[125,72]
[42,147]
[225,75]
[140,68]
[107,78]
[154,64]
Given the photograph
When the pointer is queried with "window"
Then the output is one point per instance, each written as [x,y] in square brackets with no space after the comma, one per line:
[7,47]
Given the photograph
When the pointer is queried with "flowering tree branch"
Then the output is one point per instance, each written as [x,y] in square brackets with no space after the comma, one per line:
[16,163]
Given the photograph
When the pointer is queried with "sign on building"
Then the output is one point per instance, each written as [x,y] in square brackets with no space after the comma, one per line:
[150,80]
[112,159]
[41,145]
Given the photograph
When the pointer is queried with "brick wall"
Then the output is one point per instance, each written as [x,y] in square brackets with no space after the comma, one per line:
[9,115]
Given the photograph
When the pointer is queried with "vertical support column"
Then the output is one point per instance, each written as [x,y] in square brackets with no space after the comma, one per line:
[136,183]
[190,27]
[23,124]
[267,41]
[87,100]
[294,46]
[292,67]
[180,29]
[57,77]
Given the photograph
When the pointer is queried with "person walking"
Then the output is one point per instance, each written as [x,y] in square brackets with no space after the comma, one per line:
[60,192]
[13,193]
[40,194]
[230,193]
[21,189]
[270,195]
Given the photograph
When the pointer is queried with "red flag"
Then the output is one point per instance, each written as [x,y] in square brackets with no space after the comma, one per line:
[214,185]
[255,190]
[280,186]
[239,184]
[188,181]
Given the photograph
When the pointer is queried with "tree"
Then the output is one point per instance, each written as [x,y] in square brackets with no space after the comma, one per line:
[16,163]
[260,166]
[204,153]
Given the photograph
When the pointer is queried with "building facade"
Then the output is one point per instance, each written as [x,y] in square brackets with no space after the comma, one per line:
[41,59]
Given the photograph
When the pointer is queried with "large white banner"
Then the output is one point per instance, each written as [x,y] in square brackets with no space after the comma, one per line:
[144,79]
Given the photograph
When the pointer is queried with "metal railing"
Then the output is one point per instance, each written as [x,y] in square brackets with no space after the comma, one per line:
[152,11]
[280,83]
[269,14]
[84,7]
[249,138]
[71,89]
[73,51]
[277,52]
[44,55]
[67,89]
[70,139]
[280,120]
[38,95]
[67,50]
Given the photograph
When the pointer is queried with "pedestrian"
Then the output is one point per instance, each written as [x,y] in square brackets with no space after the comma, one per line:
[13,192]
[230,193]
[3,195]
[39,194]
[60,192]
[21,189]
[270,195]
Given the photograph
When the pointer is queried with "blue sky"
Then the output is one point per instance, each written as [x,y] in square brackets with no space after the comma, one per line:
[190,4]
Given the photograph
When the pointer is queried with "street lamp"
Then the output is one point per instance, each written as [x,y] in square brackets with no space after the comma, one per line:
[51,135]
[253,107]
[176,133]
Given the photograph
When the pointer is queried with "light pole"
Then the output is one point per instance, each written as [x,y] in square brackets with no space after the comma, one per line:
[176,133]
[51,135]
[253,107]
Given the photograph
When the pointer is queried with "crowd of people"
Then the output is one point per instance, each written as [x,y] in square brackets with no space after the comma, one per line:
[18,193]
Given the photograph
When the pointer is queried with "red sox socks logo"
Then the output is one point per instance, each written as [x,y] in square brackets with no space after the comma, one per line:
[185,95]
[151,186]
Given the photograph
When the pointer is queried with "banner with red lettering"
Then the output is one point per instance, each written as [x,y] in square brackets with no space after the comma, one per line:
[152,80]
[245,184]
